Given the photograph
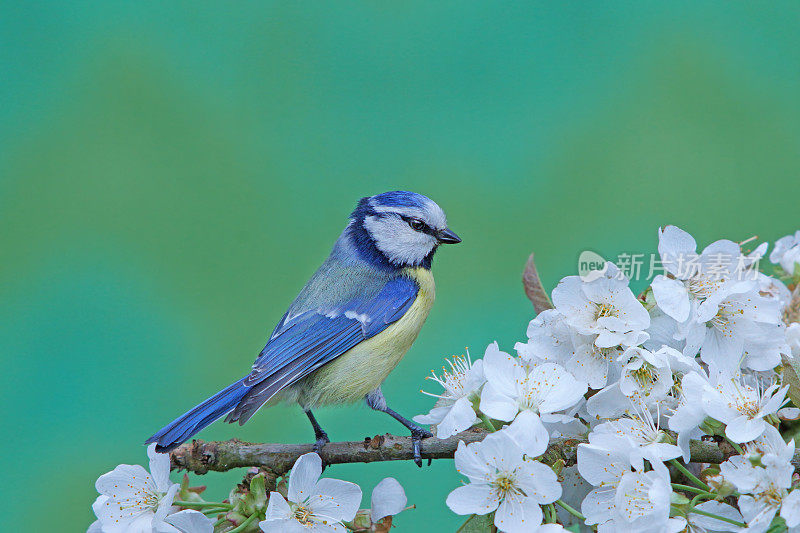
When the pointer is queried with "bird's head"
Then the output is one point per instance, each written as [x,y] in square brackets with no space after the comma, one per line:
[404,228]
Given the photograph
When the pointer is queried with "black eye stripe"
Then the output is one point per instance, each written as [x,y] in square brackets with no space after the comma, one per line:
[421,226]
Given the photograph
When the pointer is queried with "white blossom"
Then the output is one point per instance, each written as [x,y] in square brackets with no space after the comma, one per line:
[513,387]
[133,499]
[663,331]
[744,329]
[774,289]
[689,414]
[741,403]
[603,469]
[787,252]
[604,307]
[592,364]
[771,443]
[642,503]
[646,377]
[645,374]
[764,489]
[504,481]
[696,280]
[638,435]
[314,505]
[454,412]
[549,338]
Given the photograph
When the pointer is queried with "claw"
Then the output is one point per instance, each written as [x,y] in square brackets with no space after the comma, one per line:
[318,446]
[417,434]
[417,451]
[321,442]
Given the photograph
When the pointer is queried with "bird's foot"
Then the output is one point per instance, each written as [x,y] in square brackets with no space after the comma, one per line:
[322,440]
[320,443]
[417,434]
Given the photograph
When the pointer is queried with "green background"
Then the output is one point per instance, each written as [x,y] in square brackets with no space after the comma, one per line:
[172,173]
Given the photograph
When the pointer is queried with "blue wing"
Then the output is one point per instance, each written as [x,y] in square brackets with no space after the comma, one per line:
[306,338]
[304,342]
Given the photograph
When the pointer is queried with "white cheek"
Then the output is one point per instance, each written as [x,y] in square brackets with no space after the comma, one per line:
[398,242]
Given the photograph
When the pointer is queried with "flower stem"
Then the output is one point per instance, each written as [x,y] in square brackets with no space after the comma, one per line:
[215,510]
[692,489]
[689,475]
[570,510]
[718,517]
[226,506]
[549,513]
[698,497]
[487,422]
[243,525]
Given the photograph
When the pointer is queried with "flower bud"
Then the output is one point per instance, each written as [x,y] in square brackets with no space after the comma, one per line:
[720,486]
[362,522]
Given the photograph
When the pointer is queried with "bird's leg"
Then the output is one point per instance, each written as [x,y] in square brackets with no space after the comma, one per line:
[319,433]
[377,402]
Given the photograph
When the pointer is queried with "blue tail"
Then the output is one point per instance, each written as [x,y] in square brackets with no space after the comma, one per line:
[182,428]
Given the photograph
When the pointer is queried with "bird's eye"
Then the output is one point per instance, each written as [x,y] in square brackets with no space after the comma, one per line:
[416,224]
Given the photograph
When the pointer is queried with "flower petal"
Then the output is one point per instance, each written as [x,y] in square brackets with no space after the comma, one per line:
[517,514]
[189,521]
[470,462]
[388,499]
[159,468]
[277,508]
[672,297]
[434,416]
[539,482]
[743,429]
[125,481]
[676,247]
[282,526]
[557,388]
[335,499]
[720,509]
[790,508]
[460,417]
[304,476]
[598,505]
[601,466]
[529,433]
[496,404]
[501,369]
[472,499]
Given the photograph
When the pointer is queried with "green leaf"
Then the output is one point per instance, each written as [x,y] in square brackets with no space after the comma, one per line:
[790,378]
[258,490]
[477,524]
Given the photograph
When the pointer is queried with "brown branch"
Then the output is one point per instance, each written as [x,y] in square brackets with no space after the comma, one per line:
[534,288]
[201,457]
[220,456]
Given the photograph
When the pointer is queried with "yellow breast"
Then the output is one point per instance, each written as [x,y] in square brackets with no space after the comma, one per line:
[362,369]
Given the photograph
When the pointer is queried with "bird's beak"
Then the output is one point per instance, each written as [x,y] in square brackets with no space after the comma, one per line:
[447,236]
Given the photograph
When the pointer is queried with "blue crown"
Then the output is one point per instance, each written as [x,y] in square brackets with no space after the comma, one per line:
[401,199]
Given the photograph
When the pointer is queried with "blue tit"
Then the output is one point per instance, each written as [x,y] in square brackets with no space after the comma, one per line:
[348,328]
